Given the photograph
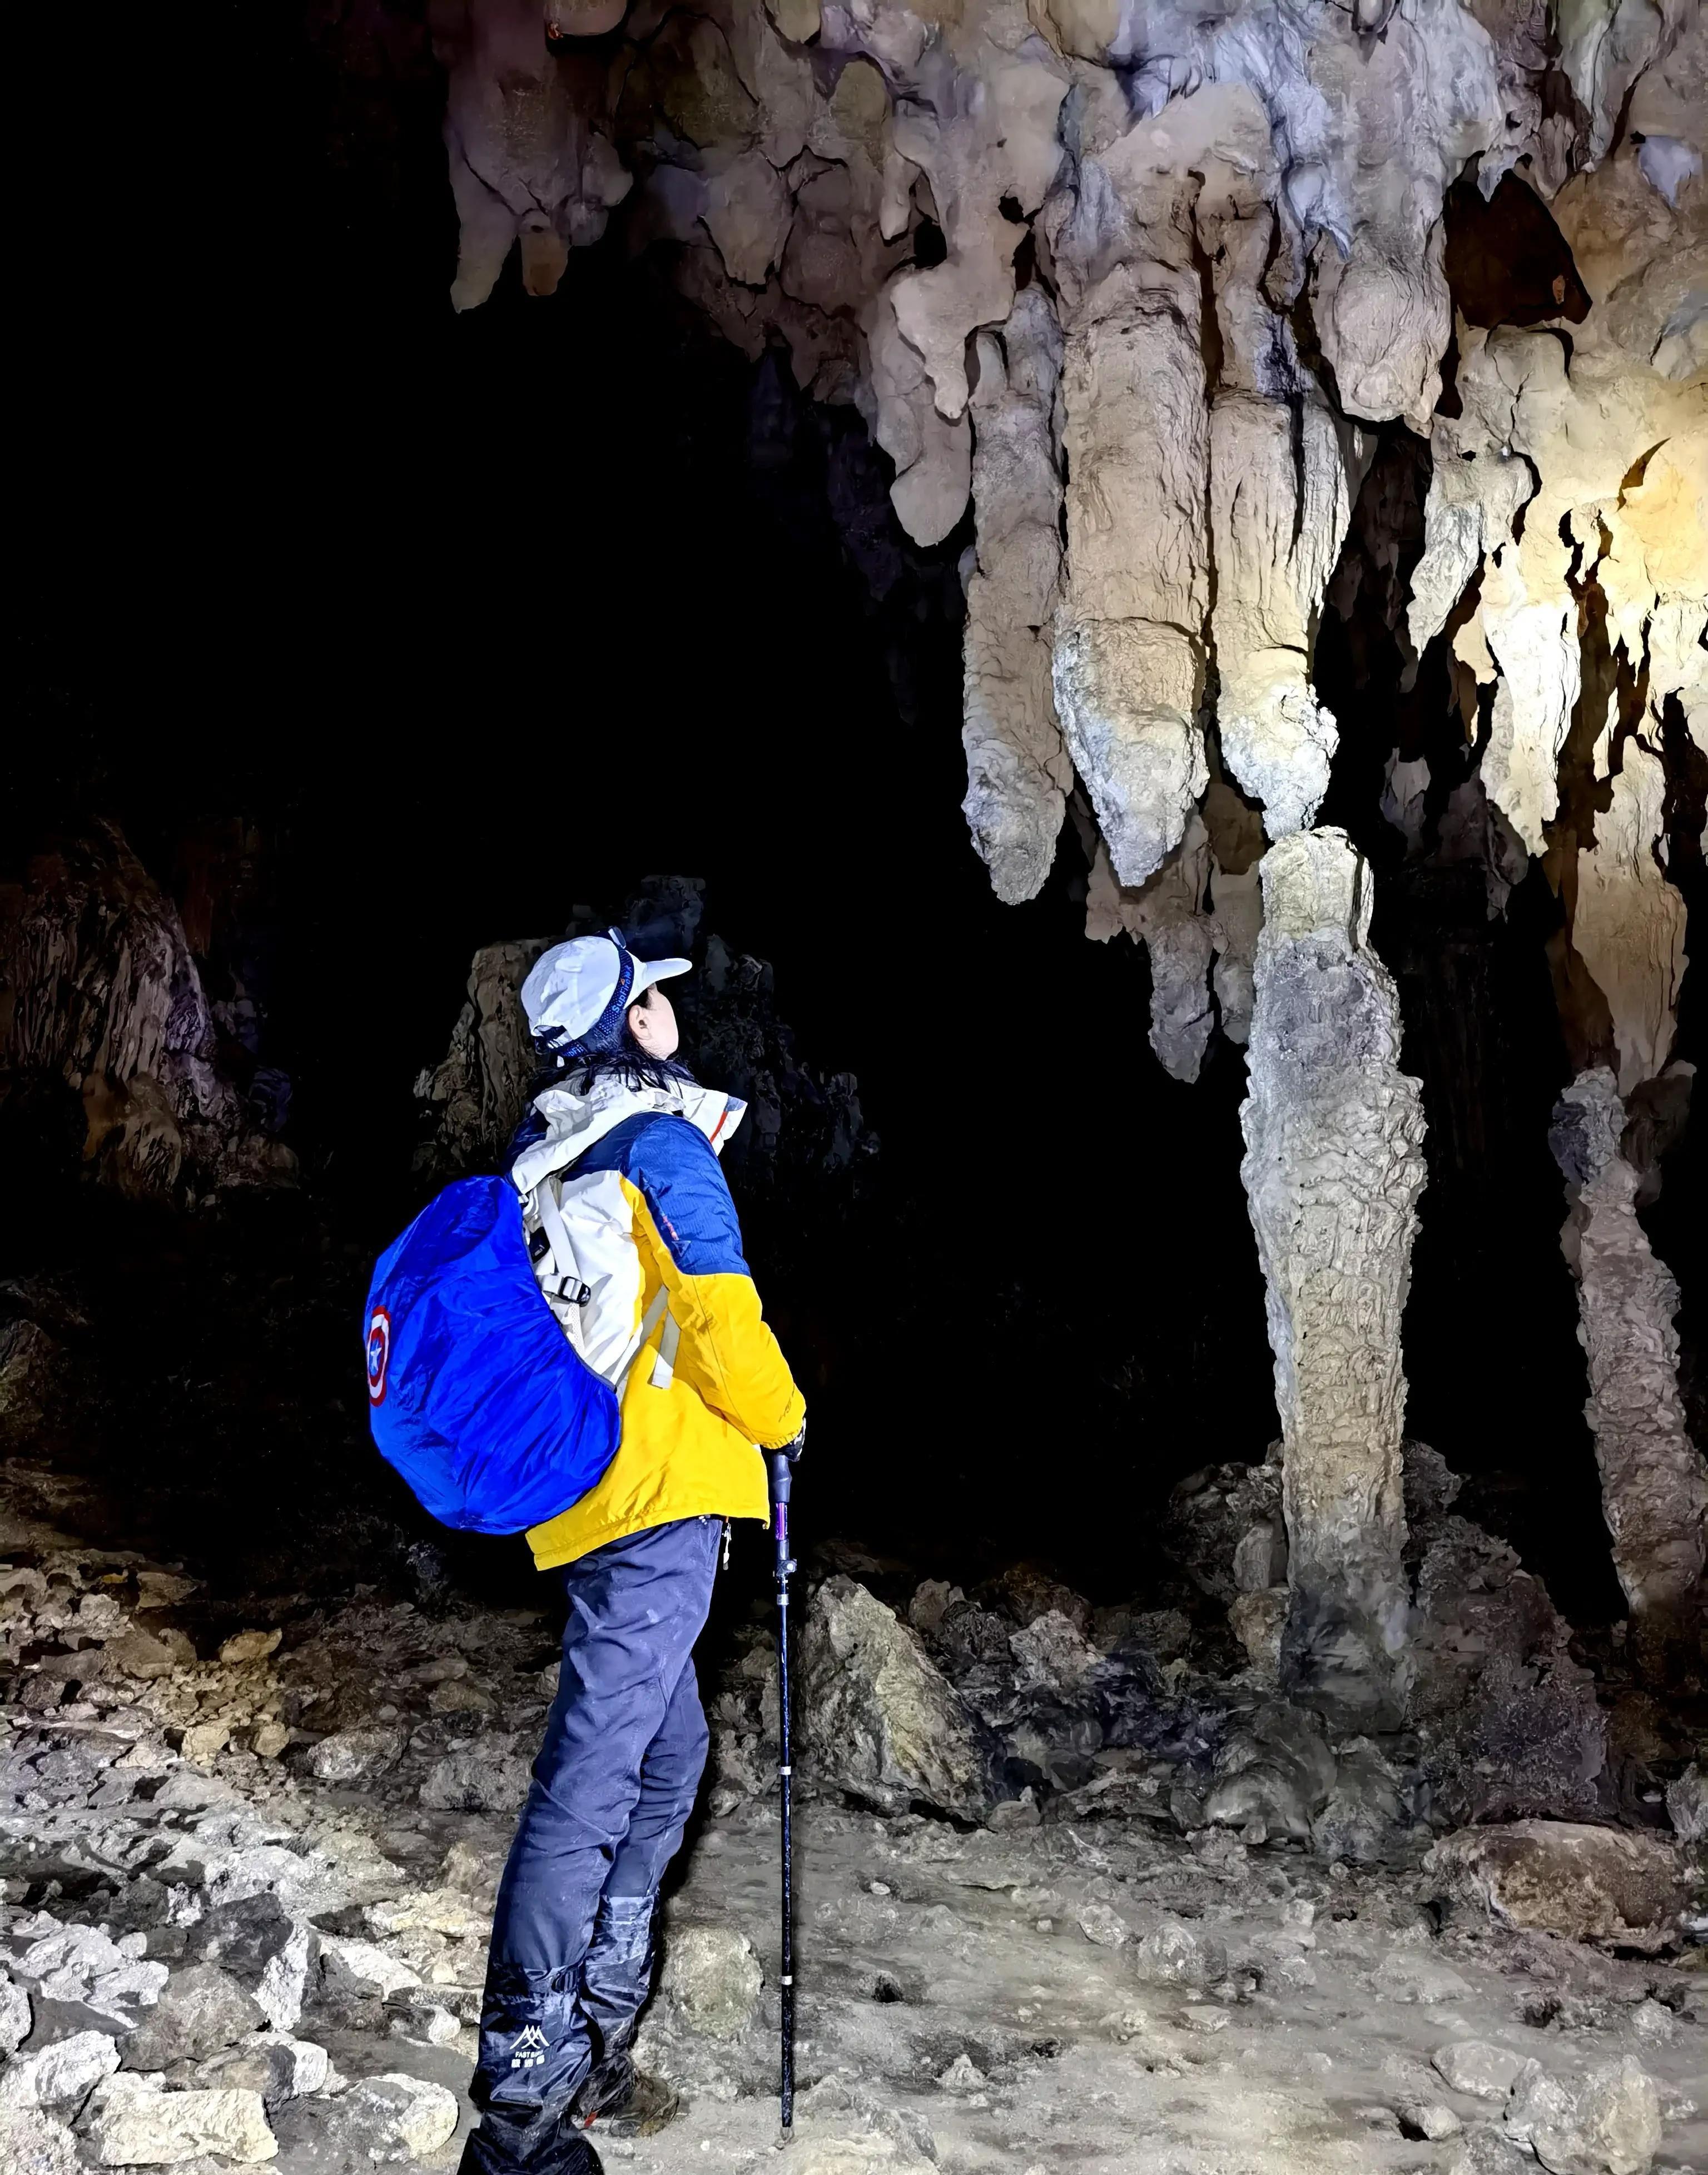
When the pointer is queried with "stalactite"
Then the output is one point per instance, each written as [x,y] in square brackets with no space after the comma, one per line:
[529,163]
[1130,637]
[1576,463]
[1282,469]
[1018,774]
[1167,915]
[1228,239]
[1628,922]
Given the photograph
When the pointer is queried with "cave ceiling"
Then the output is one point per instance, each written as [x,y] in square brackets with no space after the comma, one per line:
[1130,296]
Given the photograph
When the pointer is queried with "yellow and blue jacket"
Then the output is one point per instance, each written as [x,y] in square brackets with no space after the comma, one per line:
[710,1382]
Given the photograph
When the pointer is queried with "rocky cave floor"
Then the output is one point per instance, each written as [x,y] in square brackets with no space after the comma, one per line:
[250,1850]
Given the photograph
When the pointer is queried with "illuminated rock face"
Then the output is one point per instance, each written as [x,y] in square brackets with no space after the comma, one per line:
[1628,922]
[1552,479]
[1333,1167]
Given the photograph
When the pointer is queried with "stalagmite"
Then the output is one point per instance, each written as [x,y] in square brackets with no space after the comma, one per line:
[1654,1484]
[1626,926]
[1158,328]
[1332,1171]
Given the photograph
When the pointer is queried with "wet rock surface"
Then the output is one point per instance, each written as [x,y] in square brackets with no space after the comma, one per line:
[1555,1877]
[1073,1882]
[1608,2124]
[133,2122]
[881,1720]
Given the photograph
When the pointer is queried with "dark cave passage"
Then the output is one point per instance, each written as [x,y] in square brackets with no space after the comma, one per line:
[690,675]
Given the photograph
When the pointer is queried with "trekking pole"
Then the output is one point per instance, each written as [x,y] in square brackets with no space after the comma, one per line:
[782,1465]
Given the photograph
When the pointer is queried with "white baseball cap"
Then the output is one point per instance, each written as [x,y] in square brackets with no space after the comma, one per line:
[580,991]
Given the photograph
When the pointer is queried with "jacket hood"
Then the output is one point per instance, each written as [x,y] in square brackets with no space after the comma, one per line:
[574,1122]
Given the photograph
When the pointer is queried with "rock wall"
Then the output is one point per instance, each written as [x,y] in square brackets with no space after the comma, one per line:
[474,1098]
[1332,1170]
[798,1119]
[108,1037]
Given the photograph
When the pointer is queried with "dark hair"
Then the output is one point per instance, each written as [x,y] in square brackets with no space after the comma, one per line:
[616,1055]
[628,1062]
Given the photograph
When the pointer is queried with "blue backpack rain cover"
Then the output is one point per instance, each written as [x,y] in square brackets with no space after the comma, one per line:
[475,1393]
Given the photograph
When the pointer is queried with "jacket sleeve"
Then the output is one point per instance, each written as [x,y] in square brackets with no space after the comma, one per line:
[727,1350]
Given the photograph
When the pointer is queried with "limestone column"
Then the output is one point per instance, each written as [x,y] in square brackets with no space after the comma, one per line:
[1654,1484]
[1627,927]
[1332,1170]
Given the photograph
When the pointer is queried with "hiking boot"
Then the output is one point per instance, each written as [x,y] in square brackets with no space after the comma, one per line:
[539,2143]
[624,2101]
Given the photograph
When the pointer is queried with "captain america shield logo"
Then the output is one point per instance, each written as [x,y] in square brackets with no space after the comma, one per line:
[379,1351]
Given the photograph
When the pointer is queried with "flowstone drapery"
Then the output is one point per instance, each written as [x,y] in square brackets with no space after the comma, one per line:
[1332,1170]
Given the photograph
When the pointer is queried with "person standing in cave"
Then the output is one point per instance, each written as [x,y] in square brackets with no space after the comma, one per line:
[625,1741]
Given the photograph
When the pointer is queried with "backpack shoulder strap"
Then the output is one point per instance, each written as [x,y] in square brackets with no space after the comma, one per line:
[659,1310]
[564,1279]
